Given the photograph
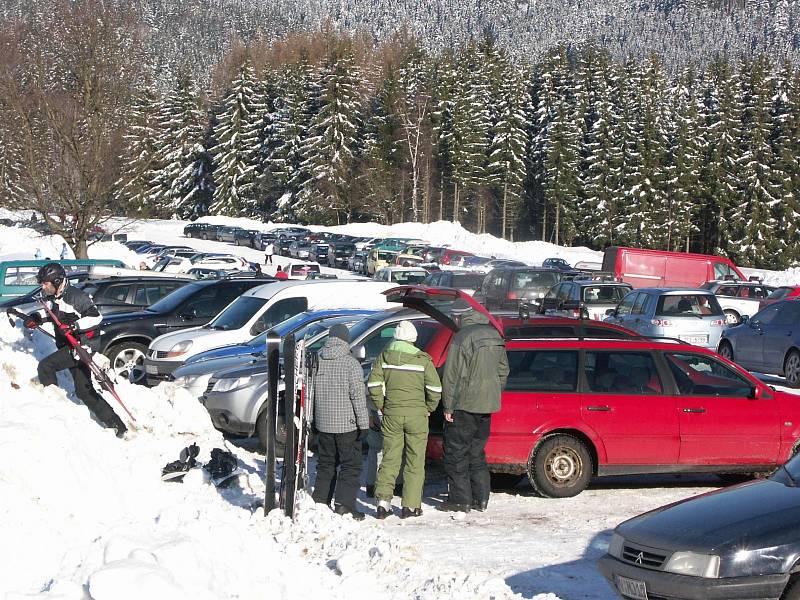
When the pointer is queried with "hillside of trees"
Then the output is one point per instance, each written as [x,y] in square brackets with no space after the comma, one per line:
[589,143]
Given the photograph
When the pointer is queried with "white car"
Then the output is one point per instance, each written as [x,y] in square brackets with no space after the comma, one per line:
[738,298]
[228,262]
[401,275]
[256,311]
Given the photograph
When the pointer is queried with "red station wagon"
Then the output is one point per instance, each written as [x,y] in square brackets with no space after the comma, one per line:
[577,407]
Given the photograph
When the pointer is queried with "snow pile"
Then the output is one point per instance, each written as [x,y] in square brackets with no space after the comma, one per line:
[90,517]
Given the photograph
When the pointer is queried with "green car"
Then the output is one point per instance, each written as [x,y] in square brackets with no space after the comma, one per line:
[18,277]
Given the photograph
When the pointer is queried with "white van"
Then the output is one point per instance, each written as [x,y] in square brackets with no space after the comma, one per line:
[256,311]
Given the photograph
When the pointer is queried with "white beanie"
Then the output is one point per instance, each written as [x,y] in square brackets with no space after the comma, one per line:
[406,332]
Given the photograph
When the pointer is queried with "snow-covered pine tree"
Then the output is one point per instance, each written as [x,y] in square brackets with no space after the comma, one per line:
[445,89]
[11,191]
[330,150]
[180,181]
[140,164]
[236,152]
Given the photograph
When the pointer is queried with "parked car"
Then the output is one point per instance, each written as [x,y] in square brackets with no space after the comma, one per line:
[300,271]
[466,281]
[559,264]
[504,287]
[693,315]
[408,260]
[318,252]
[784,292]
[594,297]
[446,256]
[18,277]
[227,234]
[136,244]
[496,263]
[738,298]
[194,230]
[126,294]
[299,249]
[125,337]
[247,237]
[573,408]
[767,342]
[254,312]
[339,254]
[378,258]
[401,275]
[357,261]
[209,232]
[739,542]
[196,372]
[222,261]
[659,268]
[283,245]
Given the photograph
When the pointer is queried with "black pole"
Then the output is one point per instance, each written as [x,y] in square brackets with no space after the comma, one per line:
[273,342]
[289,409]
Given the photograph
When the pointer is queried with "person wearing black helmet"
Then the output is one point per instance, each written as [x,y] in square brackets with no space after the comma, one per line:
[77,314]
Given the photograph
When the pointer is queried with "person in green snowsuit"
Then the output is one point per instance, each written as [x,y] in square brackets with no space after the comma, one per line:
[405,388]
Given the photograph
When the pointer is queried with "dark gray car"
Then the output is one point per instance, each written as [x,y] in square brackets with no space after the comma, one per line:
[504,287]
[768,342]
[741,542]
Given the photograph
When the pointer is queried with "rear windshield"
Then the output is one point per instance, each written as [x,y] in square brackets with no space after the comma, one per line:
[238,313]
[344,250]
[303,269]
[408,277]
[533,279]
[604,294]
[386,255]
[685,305]
[467,282]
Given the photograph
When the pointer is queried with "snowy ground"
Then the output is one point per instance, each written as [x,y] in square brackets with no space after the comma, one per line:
[87,516]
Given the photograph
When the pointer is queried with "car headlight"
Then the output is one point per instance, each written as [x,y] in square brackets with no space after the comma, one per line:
[615,546]
[179,349]
[759,561]
[228,385]
[694,564]
[180,381]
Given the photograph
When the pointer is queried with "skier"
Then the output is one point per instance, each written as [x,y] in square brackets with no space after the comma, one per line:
[77,314]
[269,250]
[64,251]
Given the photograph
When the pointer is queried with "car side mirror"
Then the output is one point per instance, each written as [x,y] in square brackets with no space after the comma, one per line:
[745,318]
[756,393]
[189,315]
[611,312]
[359,352]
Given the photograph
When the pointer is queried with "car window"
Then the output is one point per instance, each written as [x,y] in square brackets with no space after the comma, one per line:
[116,293]
[702,375]
[157,292]
[626,305]
[780,293]
[605,333]
[278,313]
[766,315]
[553,292]
[681,305]
[528,279]
[21,276]
[377,341]
[721,271]
[206,304]
[466,281]
[542,370]
[758,291]
[788,314]
[640,305]
[142,297]
[622,373]
[547,331]
[563,291]
[238,313]
[729,290]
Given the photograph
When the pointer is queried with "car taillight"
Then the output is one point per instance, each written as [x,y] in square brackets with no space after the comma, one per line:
[576,313]
[446,260]
[512,296]
[718,323]
[661,322]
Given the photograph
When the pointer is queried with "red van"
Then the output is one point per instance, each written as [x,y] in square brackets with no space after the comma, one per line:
[659,268]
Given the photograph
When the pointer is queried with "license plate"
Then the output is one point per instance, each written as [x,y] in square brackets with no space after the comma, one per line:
[631,588]
[152,369]
[694,339]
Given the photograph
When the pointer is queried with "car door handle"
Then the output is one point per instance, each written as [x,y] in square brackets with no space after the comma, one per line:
[599,408]
[694,410]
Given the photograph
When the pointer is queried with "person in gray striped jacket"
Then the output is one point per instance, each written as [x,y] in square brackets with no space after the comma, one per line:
[339,414]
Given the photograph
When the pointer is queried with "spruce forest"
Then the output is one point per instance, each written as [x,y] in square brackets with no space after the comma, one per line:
[578,142]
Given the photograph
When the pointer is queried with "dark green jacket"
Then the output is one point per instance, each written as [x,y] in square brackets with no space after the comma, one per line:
[404,382]
[476,368]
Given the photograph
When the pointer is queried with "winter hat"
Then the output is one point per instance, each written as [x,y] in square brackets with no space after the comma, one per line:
[406,332]
[340,331]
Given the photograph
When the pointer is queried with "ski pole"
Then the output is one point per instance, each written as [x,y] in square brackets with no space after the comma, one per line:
[86,359]
[23,316]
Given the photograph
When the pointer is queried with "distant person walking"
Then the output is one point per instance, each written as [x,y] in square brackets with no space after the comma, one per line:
[339,413]
[64,251]
[405,388]
[474,376]
[269,250]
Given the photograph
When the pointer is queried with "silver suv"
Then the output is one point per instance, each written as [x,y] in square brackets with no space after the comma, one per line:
[691,315]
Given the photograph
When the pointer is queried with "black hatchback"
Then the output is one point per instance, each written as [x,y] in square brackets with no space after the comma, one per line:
[739,542]
[505,287]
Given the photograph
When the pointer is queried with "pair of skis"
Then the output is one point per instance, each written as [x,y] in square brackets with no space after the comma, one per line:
[83,355]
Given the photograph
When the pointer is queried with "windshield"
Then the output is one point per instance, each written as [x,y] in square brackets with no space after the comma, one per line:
[533,279]
[604,294]
[467,282]
[239,312]
[780,293]
[171,301]
[685,305]
[344,250]
[790,474]
[386,255]
[282,329]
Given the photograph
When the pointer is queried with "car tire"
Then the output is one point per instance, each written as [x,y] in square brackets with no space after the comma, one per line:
[505,481]
[127,360]
[560,467]
[732,317]
[726,350]
[203,236]
[262,433]
[791,369]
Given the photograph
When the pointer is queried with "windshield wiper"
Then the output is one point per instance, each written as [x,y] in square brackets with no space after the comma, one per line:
[792,481]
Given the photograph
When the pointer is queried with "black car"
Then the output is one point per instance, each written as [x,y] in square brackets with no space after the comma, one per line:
[339,254]
[318,252]
[739,542]
[209,232]
[467,281]
[125,294]
[126,336]
[282,246]
[194,229]
[505,287]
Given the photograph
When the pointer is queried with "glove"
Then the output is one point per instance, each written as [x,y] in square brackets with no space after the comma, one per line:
[68,328]
[362,435]
[33,321]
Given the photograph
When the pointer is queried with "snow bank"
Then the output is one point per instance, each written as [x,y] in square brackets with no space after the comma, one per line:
[90,517]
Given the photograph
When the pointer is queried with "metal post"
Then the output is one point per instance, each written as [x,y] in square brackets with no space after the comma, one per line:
[273,364]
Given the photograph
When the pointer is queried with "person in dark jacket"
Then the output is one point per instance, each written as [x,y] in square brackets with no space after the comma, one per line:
[474,376]
[339,414]
[78,315]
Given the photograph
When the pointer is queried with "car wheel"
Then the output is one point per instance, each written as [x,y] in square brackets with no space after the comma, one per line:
[262,431]
[791,368]
[203,236]
[127,360]
[732,317]
[560,467]
[505,481]
[726,350]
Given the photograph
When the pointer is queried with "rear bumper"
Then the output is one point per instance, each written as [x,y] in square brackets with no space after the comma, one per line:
[670,586]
